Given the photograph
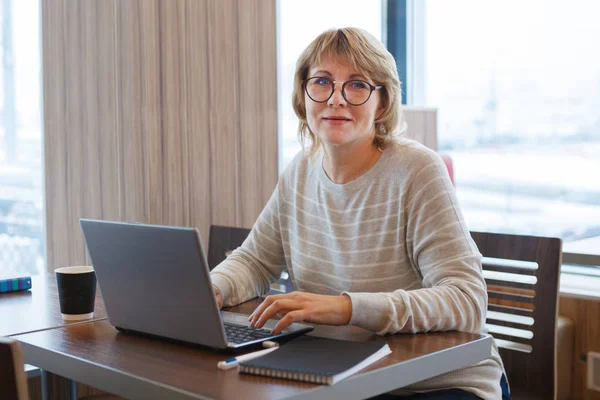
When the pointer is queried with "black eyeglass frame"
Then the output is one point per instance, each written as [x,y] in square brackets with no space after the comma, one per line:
[372,87]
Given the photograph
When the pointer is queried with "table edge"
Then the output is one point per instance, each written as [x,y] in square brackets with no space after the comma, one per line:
[358,386]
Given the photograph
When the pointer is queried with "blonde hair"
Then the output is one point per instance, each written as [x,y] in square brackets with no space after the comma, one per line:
[368,55]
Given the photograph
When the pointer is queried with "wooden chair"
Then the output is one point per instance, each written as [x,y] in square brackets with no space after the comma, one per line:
[13,380]
[522,276]
[224,239]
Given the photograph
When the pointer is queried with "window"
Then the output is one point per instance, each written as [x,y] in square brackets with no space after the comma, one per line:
[517,88]
[21,185]
[301,21]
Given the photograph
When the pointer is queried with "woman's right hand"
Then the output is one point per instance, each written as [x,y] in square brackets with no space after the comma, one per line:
[218,296]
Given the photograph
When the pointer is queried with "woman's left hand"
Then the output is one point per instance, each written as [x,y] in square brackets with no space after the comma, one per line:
[303,307]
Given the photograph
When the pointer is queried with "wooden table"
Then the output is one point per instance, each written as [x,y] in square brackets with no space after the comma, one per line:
[140,368]
[38,309]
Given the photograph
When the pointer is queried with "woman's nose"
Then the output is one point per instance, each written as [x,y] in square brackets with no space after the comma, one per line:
[337,98]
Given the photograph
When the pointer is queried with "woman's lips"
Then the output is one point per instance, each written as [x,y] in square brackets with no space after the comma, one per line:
[337,120]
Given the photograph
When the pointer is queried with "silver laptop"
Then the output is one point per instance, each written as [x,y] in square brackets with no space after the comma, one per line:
[155,280]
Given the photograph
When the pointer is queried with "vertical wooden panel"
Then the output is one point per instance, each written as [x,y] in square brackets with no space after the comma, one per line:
[256,100]
[129,61]
[88,101]
[75,131]
[267,55]
[586,316]
[249,99]
[224,120]
[142,114]
[90,201]
[413,124]
[107,144]
[173,109]
[34,386]
[422,125]
[181,152]
[150,65]
[55,150]
[431,131]
[198,134]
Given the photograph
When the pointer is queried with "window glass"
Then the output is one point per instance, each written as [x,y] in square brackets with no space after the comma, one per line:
[21,167]
[517,88]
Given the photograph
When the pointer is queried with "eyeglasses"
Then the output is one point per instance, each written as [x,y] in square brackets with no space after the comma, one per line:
[355,92]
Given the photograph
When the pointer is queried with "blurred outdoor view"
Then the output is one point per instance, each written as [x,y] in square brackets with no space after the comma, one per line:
[21,167]
[517,88]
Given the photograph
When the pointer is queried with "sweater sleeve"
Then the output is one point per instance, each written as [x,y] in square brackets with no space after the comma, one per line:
[250,269]
[440,248]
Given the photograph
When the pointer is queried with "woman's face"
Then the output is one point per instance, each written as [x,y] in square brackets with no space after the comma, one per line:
[335,122]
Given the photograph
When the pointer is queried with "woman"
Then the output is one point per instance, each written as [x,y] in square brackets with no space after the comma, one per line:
[366,223]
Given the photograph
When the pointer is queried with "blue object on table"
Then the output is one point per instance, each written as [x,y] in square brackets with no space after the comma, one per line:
[15,284]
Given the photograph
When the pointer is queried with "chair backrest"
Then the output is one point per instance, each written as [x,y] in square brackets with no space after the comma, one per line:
[222,241]
[522,276]
[13,382]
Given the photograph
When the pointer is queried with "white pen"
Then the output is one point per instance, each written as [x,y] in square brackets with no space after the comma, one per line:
[233,362]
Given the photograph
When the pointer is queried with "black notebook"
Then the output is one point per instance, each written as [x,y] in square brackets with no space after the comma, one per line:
[317,360]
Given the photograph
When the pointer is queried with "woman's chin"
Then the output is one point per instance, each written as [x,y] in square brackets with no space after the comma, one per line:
[335,139]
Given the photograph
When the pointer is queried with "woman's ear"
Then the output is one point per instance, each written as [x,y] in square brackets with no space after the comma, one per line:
[380,111]
[380,108]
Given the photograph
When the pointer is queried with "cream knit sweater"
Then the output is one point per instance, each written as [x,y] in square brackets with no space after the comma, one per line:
[394,240]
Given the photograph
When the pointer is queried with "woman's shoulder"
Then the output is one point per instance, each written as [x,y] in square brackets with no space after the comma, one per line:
[299,172]
[411,154]
[417,164]
[302,163]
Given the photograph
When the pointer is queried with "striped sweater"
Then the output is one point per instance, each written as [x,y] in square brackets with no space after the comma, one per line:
[394,240]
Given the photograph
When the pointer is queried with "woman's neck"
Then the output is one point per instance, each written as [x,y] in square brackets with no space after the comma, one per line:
[345,164]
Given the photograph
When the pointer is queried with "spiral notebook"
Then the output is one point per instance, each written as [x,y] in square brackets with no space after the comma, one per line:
[317,360]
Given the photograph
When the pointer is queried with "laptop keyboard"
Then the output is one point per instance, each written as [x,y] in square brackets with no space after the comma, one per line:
[242,334]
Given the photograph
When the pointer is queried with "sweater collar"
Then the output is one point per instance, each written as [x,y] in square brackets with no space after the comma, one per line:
[353,185]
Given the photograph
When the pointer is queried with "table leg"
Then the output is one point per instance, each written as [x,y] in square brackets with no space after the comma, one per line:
[73,385]
[45,384]
[66,387]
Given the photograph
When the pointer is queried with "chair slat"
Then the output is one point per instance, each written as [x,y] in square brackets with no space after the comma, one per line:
[509,269]
[510,310]
[510,284]
[508,324]
[511,338]
[518,247]
[513,346]
[519,298]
